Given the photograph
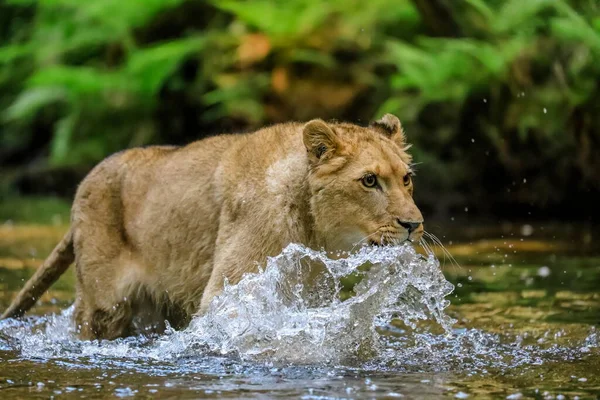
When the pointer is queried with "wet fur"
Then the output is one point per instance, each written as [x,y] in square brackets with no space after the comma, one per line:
[155,231]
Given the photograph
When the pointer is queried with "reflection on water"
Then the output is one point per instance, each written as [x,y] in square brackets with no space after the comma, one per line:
[525,312]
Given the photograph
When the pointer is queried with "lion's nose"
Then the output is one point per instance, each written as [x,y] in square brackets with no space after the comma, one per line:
[409,226]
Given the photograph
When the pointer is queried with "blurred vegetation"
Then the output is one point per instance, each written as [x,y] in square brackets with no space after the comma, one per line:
[500,97]
[35,210]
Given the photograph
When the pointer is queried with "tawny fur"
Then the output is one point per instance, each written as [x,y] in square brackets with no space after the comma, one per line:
[155,231]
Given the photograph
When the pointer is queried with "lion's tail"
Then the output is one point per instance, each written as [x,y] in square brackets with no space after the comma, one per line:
[53,267]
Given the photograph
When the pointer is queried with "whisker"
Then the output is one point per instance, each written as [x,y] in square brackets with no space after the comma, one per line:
[426,246]
[361,241]
[431,248]
[436,242]
[445,251]
[433,243]
[439,243]
[413,166]
[448,254]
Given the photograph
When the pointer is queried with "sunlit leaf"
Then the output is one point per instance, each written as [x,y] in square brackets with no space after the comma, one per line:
[278,19]
[31,100]
[12,52]
[149,67]
[516,13]
[78,80]
[61,141]
[483,8]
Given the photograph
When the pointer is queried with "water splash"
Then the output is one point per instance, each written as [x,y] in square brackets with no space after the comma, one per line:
[276,314]
[279,317]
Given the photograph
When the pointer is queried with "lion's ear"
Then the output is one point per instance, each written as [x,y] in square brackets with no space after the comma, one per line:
[389,125]
[320,140]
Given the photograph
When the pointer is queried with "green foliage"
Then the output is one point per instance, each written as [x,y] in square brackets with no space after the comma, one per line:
[281,20]
[510,85]
[34,210]
[532,67]
[66,50]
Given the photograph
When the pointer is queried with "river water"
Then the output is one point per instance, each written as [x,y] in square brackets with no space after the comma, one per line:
[514,316]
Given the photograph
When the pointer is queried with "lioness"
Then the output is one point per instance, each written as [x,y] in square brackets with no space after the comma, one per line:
[155,231]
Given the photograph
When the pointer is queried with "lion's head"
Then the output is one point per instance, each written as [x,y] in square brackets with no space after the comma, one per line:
[361,184]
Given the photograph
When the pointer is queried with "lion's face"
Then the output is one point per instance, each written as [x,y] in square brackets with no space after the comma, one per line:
[361,184]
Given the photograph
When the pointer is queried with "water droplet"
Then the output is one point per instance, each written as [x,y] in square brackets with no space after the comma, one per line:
[526,230]
[544,271]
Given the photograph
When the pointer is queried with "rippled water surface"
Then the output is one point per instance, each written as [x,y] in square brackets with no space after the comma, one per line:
[516,319]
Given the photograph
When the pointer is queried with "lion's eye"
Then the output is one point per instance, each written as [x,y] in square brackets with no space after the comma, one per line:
[406,179]
[369,180]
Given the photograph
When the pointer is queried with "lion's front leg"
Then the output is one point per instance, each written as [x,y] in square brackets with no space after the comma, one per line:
[238,251]
[232,266]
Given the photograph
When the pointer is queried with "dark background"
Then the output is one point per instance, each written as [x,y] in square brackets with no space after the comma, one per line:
[499,97]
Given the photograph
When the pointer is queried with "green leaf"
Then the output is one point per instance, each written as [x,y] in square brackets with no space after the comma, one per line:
[121,15]
[78,80]
[482,8]
[279,20]
[22,2]
[12,52]
[314,57]
[516,13]
[151,66]
[575,27]
[31,100]
[61,141]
